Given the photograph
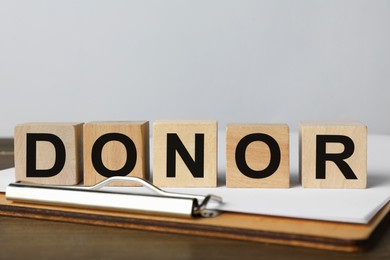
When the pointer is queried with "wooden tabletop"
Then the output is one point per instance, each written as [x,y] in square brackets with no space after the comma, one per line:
[21,238]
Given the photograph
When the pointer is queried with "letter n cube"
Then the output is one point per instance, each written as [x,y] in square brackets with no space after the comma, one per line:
[185,153]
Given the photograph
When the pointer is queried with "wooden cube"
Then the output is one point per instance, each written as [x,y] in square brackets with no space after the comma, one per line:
[49,153]
[333,155]
[185,153]
[116,149]
[257,156]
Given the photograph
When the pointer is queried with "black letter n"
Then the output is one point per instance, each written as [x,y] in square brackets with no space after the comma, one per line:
[196,166]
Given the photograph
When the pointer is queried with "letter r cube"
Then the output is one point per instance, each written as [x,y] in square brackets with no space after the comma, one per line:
[333,155]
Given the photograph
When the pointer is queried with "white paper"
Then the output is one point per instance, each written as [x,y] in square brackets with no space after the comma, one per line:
[343,205]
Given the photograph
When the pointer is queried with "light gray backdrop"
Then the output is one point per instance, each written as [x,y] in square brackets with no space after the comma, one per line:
[233,61]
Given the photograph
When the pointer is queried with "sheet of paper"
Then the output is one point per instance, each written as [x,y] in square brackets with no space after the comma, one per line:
[343,205]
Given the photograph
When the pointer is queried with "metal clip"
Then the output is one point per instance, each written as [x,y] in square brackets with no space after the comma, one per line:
[161,203]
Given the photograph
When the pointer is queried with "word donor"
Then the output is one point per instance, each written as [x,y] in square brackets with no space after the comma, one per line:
[331,154]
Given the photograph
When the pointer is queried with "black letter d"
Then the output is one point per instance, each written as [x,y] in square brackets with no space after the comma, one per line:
[31,155]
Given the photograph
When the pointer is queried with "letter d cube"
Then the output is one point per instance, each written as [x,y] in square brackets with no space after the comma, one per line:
[49,153]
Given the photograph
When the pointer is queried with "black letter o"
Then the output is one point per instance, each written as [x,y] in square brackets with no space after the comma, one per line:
[240,156]
[97,155]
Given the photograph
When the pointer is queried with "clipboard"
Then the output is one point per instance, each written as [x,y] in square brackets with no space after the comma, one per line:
[256,228]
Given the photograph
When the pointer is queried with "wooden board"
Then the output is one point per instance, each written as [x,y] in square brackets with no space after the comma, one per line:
[257,228]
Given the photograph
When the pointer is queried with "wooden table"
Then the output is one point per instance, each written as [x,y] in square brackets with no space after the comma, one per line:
[21,238]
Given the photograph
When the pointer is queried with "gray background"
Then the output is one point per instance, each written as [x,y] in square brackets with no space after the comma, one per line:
[232,61]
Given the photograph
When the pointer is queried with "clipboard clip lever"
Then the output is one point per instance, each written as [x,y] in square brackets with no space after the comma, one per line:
[160,202]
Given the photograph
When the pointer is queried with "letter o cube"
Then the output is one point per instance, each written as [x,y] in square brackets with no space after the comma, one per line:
[116,149]
[257,156]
